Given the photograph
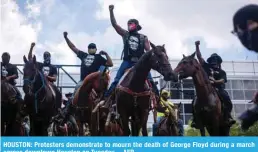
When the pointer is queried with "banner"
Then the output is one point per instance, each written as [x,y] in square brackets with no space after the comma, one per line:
[129,144]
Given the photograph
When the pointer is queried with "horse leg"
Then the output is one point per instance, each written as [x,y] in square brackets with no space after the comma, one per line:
[2,127]
[125,127]
[224,130]
[144,120]
[202,131]
[213,128]
[134,126]
[45,126]
[199,122]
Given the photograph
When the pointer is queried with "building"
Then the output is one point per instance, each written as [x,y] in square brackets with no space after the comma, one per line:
[242,84]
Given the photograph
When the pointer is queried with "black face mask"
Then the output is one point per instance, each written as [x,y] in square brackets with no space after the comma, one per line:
[5,60]
[214,66]
[250,39]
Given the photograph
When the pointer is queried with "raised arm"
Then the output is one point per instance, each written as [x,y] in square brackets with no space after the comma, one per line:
[30,52]
[146,44]
[198,53]
[109,62]
[70,44]
[118,29]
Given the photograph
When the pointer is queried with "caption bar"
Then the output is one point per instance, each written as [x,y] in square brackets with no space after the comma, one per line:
[123,144]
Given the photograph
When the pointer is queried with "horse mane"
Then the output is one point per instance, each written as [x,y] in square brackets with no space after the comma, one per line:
[88,79]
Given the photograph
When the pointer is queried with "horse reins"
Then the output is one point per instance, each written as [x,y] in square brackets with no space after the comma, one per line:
[36,93]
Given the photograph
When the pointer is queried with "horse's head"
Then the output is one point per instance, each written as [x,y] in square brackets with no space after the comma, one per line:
[101,83]
[159,62]
[187,67]
[29,74]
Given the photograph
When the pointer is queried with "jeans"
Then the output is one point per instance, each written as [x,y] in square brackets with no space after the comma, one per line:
[123,67]
[101,68]
[155,125]
[180,126]
[78,85]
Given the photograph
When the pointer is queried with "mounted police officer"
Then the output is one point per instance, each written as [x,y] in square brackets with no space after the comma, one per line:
[134,46]
[218,78]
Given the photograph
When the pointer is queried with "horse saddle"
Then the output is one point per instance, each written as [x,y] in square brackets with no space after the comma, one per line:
[147,85]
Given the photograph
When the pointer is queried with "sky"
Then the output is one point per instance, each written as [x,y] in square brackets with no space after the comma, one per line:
[175,23]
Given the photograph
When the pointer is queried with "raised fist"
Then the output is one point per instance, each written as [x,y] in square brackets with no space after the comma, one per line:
[65,34]
[197,42]
[33,44]
[111,7]
[103,53]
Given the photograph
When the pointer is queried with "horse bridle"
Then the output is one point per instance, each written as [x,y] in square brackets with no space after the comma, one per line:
[31,84]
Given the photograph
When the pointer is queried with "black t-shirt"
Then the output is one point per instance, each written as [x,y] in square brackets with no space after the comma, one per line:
[90,63]
[216,74]
[220,74]
[133,45]
[9,70]
[47,69]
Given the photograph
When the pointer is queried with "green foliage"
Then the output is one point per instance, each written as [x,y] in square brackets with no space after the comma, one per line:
[234,131]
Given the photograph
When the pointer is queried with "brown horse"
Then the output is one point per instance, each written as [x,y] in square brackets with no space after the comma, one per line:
[86,98]
[41,102]
[12,111]
[207,107]
[133,97]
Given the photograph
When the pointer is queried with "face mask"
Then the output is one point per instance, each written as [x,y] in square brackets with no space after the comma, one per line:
[253,40]
[132,27]
[249,39]
[5,60]
[215,67]
[92,51]
[47,59]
